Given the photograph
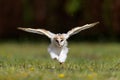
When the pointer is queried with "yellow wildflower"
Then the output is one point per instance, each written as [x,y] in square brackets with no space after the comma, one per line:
[31,69]
[61,75]
[92,75]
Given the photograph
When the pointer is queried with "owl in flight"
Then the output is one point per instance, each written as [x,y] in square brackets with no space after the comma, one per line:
[58,48]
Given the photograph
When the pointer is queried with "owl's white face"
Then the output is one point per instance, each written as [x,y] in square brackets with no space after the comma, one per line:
[59,40]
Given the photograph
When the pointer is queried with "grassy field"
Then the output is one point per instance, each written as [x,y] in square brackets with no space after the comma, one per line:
[86,61]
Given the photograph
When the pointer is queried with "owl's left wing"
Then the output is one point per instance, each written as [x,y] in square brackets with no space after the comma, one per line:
[39,31]
[78,29]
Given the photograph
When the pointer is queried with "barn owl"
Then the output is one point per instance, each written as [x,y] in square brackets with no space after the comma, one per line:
[58,48]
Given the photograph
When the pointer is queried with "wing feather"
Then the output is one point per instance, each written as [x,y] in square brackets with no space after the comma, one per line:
[38,31]
[78,29]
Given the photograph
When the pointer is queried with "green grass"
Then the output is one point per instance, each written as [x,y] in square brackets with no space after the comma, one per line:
[86,61]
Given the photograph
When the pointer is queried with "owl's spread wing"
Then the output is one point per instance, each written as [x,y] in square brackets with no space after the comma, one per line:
[78,29]
[38,31]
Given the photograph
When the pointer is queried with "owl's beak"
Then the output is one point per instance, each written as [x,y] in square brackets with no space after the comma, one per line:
[59,45]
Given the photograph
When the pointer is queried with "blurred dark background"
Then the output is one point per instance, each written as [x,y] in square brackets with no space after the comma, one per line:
[60,16]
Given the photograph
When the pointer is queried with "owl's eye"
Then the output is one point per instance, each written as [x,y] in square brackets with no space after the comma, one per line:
[61,40]
[57,41]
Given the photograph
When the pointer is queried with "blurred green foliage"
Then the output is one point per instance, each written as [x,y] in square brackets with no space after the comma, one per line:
[28,14]
[72,6]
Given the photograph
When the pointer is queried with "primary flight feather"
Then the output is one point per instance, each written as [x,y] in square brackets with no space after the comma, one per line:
[58,48]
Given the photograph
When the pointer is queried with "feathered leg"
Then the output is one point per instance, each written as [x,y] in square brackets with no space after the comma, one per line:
[63,55]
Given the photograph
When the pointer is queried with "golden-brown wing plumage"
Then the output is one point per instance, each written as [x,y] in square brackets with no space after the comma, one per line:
[78,29]
[38,31]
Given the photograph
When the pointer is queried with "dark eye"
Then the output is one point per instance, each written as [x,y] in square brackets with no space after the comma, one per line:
[61,40]
[56,40]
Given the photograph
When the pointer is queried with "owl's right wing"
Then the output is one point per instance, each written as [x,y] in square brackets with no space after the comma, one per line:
[39,31]
[78,29]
